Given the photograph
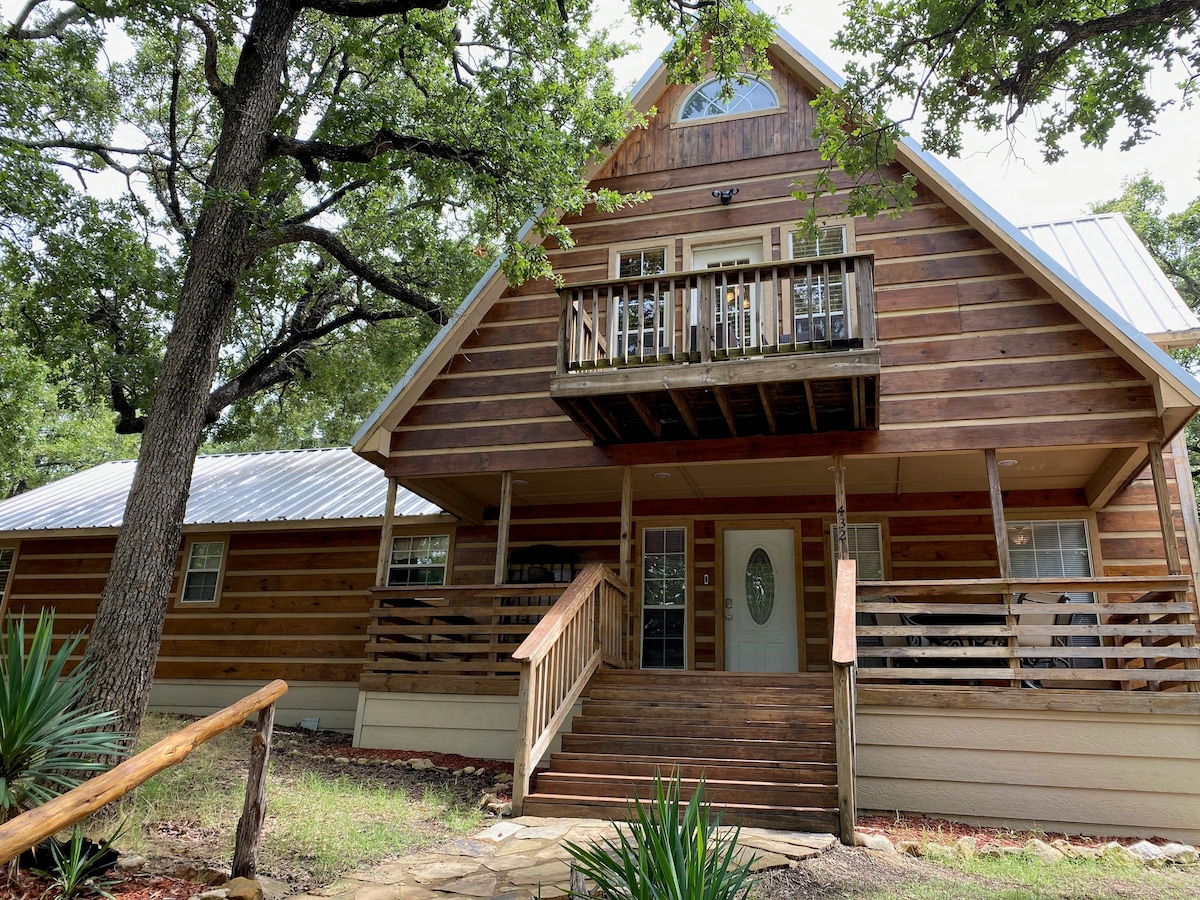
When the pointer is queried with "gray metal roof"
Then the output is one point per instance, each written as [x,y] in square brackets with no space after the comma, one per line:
[1105,254]
[276,486]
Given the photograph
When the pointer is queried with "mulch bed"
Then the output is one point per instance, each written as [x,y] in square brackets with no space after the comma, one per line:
[24,885]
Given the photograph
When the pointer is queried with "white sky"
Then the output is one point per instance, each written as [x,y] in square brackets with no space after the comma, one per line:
[1013,180]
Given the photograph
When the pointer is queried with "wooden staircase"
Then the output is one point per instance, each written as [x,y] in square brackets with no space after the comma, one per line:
[764,744]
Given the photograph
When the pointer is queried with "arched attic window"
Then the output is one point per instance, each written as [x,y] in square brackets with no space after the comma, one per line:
[706,102]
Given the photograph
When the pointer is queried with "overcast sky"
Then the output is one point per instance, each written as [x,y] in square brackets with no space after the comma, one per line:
[1013,180]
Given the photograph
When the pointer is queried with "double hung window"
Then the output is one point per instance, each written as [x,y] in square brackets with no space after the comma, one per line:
[202,577]
[820,294]
[418,560]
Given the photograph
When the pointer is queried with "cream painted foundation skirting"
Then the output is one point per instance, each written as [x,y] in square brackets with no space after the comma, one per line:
[332,704]
[1119,773]
[483,726]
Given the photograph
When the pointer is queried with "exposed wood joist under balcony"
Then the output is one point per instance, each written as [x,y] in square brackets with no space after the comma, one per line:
[775,348]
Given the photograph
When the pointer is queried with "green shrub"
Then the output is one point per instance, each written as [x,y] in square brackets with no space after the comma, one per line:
[44,739]
[670,853]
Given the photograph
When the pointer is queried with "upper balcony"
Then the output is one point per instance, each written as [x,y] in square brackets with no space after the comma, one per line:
[783,347]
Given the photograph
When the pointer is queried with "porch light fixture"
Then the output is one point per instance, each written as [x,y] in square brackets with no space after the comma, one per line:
[1007,462]
[662,474]
[725,196]
[519,482]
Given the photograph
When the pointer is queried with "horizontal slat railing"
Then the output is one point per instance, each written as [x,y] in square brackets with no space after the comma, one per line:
[453,632]
[789,307]
[583,631]
[1142,634]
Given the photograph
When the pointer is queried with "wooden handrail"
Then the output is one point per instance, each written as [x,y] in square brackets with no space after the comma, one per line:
[77,804]
[1133,585]
[845,657]
[581,632]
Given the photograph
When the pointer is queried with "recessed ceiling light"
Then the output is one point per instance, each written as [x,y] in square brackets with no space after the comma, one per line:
[519,481]
[662,474]
[1007,462]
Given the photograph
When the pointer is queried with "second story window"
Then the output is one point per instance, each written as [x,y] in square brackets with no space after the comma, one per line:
[706,102]
[643,320]
[418,559]
[820,296]
[638,263]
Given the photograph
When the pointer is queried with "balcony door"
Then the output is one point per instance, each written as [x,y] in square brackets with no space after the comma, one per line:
[736,321]
[760,601]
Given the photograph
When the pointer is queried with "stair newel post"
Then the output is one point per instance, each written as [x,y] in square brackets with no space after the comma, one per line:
[845,658]
[521,761]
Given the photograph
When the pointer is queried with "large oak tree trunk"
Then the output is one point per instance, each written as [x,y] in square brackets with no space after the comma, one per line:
[125,639]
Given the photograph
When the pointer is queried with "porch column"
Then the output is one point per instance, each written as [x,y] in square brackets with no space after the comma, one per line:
[841,531]
[1166,517]
[506,488]
[385,535]
[997,504]
[626,570]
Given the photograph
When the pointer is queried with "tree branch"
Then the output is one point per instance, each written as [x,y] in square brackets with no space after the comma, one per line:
[333,245]
[369,9]
[307,153]
[216,86]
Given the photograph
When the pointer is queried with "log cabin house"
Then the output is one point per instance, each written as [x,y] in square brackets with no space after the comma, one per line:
[896,518]
[279,550]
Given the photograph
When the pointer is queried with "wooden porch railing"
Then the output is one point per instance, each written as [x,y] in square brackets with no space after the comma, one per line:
[845,657]
[785,307]
[583,630]
[442,635]
[75,805]
[1142,635]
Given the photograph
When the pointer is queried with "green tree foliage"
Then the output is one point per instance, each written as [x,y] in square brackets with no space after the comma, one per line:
[943,65]
[280,175]
[1173,239]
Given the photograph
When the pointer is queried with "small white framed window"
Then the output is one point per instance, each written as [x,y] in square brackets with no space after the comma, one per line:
[750,96]
[866,549]
[664,598]
[829,240]
[204,565]
[418,560]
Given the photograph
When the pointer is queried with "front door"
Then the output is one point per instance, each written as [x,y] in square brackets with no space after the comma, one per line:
[760,601]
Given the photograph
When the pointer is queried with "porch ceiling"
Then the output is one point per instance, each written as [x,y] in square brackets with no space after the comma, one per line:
[1043,468]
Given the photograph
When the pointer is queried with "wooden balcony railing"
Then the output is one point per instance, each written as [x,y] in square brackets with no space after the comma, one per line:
[583,631]
[1140,634]
[790,307]
[458,637]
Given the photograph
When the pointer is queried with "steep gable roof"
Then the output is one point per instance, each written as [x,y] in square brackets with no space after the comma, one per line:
[1175,387]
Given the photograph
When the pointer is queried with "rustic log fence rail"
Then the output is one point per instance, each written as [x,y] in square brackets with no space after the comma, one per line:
[844,654]
[1143,636]
[74,806]
[787,307]
[583,631]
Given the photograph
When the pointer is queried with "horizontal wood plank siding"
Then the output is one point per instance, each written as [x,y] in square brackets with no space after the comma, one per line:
[293,604]
[974,353]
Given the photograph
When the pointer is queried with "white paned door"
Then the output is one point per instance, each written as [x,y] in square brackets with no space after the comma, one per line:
[760,601]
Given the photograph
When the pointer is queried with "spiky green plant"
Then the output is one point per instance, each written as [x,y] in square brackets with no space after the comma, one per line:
[671,852]
[78,864]
[45,741]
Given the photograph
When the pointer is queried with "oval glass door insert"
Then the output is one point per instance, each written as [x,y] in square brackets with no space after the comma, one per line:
[760,586]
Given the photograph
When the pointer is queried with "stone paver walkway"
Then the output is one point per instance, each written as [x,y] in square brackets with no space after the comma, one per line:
[518,859]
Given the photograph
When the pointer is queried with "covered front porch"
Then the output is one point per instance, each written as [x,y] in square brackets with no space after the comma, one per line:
[997,638]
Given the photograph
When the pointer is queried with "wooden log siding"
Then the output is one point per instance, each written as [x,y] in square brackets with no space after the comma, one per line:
[974,354]
[293,603]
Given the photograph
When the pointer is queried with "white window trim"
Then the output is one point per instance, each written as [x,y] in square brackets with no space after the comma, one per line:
[677,122]
[413,537]
[185,558]
[687,594]
[790,233]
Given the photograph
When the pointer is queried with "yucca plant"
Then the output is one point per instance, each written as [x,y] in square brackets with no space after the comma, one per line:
[77,866]
[45,741]
[671,852]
